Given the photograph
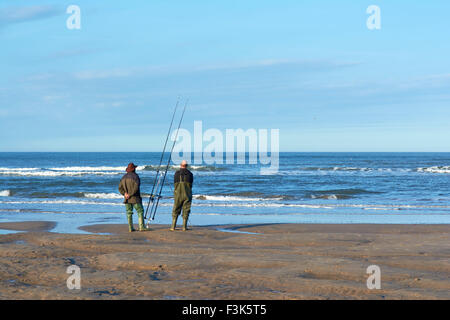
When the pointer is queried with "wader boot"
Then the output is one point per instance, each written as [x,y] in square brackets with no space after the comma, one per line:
[185,219]
[174,223]
[185,225]
[129,209]
[130,223]
[142,226]
[140,212]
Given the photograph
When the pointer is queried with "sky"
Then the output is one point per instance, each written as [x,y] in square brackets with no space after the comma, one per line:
[311,69]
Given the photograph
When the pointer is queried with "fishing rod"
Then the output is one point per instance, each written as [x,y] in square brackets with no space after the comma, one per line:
[151,198]
[160,185]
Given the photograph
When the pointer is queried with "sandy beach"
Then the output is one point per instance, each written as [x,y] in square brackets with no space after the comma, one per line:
[277,261]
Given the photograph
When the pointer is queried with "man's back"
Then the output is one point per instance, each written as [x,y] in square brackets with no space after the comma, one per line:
[130,183]
[183,180]
[183,175]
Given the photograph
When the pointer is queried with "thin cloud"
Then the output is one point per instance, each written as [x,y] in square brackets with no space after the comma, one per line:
[105,74]
[302,65]
[73,52]
[13,15]
[305,64]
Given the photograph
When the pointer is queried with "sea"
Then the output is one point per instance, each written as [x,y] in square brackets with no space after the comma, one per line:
[75,189]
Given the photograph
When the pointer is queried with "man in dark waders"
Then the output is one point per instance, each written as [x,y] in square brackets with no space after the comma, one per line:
[183,181]
[129,187]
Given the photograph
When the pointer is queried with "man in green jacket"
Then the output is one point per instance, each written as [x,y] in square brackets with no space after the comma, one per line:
[129,187]
[183,180]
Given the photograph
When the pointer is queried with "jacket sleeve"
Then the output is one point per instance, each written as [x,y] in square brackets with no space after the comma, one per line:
[121,188]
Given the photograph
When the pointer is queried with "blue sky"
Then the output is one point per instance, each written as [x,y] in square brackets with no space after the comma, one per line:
[309,68]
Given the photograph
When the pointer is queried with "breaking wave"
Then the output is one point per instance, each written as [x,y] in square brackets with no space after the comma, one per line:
[176,167]
[58,172]
[231,198]
[353,170]
[340,194]
[103,195]
[5,193]
[63,202]
[435,169]
[89,169]
[81,171]
[331,197]
[384,207]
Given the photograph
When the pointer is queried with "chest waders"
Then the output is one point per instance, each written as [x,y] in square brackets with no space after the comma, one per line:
[182,201]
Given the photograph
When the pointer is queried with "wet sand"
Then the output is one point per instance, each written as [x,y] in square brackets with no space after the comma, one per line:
[278,261]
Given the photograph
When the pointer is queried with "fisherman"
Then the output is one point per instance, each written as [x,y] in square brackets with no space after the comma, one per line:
[129,187]
[183,181]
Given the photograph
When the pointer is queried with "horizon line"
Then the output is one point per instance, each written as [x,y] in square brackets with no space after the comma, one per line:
[225,152]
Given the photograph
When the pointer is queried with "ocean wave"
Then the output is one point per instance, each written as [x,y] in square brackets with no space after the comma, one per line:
[35,172]
[5,193]
[139,168]
[383,207]
[82,202]
[103,195]
[336,169]
[262,205]
[333,169]
[170,204]
[331,196]
[18,169]
[435,169]
[231,198]
[177,167]
[89,170]
[263,196]
[353,169]
[65,171]
[339,194]
[89,195]
[56,195]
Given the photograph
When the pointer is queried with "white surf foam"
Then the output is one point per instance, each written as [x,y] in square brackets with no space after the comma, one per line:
[353,169]
[64,202]
[18,169]
[329,197]
[87,169]
[244,205]
[231,198]
[5,193]
[56,172]
[67,171]
[435,169]
[103,195]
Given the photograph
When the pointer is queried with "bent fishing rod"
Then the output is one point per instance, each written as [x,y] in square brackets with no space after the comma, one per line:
[151,198]
[162,177]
